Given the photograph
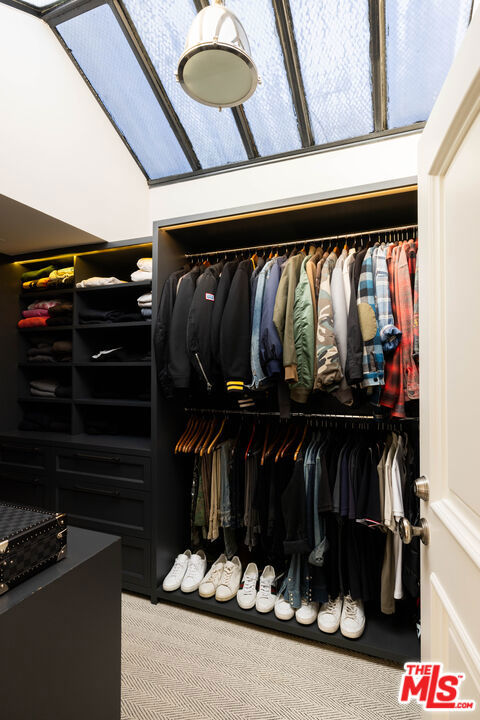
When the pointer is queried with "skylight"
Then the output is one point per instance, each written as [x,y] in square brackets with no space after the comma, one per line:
[331,71]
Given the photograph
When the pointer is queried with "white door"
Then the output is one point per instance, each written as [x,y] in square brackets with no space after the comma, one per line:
[449,239]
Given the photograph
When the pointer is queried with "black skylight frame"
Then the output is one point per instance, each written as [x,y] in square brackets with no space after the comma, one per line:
[61,10]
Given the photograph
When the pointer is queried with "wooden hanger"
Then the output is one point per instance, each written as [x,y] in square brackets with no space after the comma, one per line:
[299,446]
[265,442]
[291,441]
[214,442]
[195,435]
[184,434]
[208,437]
[187,438]
[203,436]
[250,441]
[286,438]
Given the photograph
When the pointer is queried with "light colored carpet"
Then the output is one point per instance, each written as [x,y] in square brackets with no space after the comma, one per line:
[182,665]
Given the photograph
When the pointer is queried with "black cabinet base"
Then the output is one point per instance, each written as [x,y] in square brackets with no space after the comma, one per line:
[383,637]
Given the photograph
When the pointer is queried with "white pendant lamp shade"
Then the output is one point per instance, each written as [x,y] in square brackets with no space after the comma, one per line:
[216,68]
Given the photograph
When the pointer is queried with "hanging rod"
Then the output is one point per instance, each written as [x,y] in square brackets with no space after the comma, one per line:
[300,242]
[332,416]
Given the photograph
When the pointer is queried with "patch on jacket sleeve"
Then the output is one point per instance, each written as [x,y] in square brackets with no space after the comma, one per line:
[209,296]
[368,321]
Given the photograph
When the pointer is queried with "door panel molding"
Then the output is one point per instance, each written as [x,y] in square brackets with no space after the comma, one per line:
[457,522]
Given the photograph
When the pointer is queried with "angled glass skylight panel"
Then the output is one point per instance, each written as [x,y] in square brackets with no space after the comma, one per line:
[100,48]
[163,26]
[270,110]
[333,41]
[422,40]
[45,3]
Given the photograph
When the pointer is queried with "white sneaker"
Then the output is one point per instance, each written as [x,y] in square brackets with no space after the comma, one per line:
[212,579]
[352,621]
[174,578]
[197,566]
[307,614]
[283,609]
[247,593]
[230,580]
[267,591]
[329,616]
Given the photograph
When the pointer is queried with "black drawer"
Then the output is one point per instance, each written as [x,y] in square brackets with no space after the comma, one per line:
[25,489]
[104,468]
[107,509]
[22,455]
[135,564]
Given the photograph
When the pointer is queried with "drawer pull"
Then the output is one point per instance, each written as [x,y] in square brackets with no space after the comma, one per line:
[97,491]
[102,458]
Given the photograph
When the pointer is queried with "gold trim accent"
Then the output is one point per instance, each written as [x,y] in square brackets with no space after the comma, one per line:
[79,254]
[290,208]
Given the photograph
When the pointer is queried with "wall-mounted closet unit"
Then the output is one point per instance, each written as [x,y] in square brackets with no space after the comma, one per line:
[357,218]
[77,392]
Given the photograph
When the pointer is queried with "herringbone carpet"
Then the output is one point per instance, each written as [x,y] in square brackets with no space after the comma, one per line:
[183,665]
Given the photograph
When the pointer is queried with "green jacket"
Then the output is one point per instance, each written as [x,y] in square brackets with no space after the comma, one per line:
[304,336]
[283,313]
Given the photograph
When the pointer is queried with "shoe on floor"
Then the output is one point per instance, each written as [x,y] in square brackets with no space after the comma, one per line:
[247,592]
[307,613]
[212,579]
[267,591]
[329,616]
[352,621]
[197,566]
[283,609]
[230,580]
[174,578]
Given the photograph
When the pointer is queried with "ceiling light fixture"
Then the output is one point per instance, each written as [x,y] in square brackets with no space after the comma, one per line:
[216,68]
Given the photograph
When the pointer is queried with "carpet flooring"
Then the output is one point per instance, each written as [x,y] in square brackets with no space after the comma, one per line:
[178,664]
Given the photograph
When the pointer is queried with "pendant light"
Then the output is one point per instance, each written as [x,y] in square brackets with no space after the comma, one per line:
[216,68]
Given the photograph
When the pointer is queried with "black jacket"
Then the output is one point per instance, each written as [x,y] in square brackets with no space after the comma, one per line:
[178,359]
[221,296]
[199,324]
[353,365]
[235,331]
[162,329]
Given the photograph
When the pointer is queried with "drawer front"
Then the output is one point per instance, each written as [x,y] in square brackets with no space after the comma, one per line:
[105,468]
[107,509]
[135,563]
[25,490]
[22,455]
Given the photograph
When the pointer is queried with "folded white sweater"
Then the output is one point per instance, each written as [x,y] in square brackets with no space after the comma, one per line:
[145,264]
[97,281]
[145,300]
[140,276]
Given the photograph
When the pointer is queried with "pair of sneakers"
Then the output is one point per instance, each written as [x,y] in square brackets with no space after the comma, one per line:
[257,592]
[187,572]
[305,615]
[222,580]
[343,613]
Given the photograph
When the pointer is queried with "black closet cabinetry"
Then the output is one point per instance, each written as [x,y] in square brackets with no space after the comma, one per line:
[98,468]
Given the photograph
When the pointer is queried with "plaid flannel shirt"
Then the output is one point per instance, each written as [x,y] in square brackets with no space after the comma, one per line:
[390,335]
[372,361]
[392,395]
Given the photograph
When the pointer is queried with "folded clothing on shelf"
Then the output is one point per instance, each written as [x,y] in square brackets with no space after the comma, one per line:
[39,284]
[43,304]
[35,313]
[145,300]
[31,275]
[120,354]
[140,276]
[146,312]
[49,388]
[32,322]
[62,277]
[49,352]
[38,420]
[100,316]
[99,281]
[60,314]
[145,264]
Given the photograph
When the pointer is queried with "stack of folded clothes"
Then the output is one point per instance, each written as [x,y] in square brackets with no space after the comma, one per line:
[99,281]
[144,271]
[47,277]
[120,354]
[39,420]
[50,352]
[49,388]
[92,316]
[50,312]
[144,302]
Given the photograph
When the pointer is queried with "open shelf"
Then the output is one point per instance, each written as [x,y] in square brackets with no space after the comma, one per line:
[116,286]
[114,402]
[134,444]
[385,636]
[45,328]
[55,400]
[52,365]
[102,326]
[49,292]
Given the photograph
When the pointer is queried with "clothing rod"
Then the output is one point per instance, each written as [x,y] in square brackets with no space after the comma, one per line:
[306,242]
[333,416]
